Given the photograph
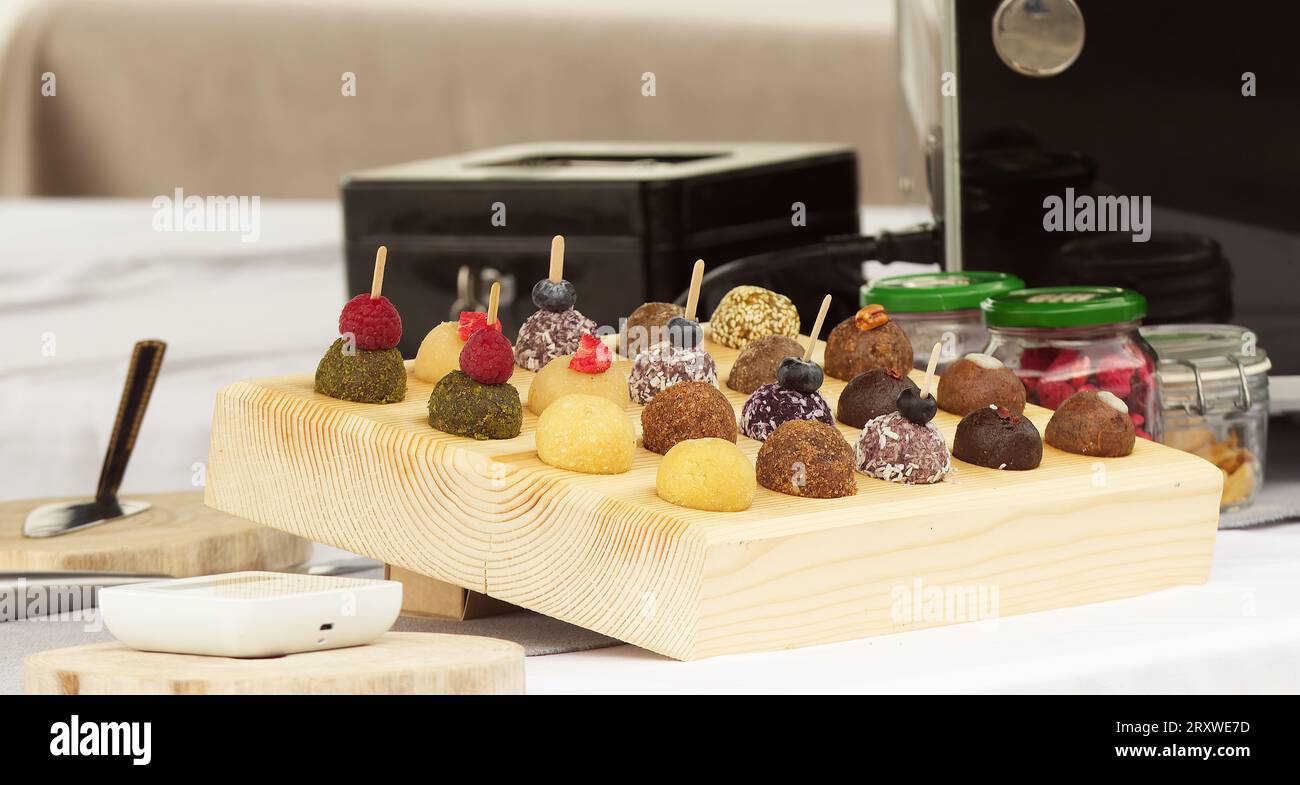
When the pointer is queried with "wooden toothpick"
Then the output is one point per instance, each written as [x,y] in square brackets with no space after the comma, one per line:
[377,283]
[494,299]
[929,371]
[693,296]
[557,258]
[817,329]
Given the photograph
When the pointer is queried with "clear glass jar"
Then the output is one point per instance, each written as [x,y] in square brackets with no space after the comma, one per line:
[1063,339]
[1213,401]
[941,308]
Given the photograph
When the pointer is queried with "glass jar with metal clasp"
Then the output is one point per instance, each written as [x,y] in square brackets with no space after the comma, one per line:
[1213,400]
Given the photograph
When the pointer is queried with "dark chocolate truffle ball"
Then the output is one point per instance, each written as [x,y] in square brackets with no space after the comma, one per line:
[978,381]
[772,404]
[757,363]
[646,327]
[998,438]
[1092,423]
[687,410]
[850,350]
[807,458]
[871,394]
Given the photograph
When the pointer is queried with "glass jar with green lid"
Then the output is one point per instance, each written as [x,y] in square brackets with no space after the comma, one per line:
[1214,400]
[1063,339]
[941,308]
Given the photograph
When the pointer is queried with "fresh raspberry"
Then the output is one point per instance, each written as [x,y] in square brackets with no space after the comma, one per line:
[1053,393]
[487,357]
[373,321]
[473,321]
[1137,419]
[593,356]
[1141,434]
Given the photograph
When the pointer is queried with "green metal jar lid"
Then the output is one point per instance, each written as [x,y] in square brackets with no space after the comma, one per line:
[1064,306]
[922,292]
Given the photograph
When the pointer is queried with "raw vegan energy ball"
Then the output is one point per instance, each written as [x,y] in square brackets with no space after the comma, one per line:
[556,327]
[867,340]
[364,376]
[706,474]
[688,410]
[1092,423]
[584,433]
[364,365]
[871,394]
[807,458]
[645,327]
[562,376]
[663,365]
[977,381]
[759,360]
[892,447]
[548,334]
[461,406]
[439,352]
[998,438]
[747,313]
[771,405]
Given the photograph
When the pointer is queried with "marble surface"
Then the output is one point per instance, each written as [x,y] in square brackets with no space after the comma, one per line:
[96,278]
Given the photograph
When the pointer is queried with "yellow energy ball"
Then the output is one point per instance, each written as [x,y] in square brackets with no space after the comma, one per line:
[706,474]
[439,353]
[586,433]
[557,380]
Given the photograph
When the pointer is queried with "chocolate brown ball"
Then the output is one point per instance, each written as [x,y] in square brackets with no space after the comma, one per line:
[687,410]
[1092,423]
[757,363]
[998,438]
[978,381]
[645,327]
[871,394]
[807,458]
[851,350]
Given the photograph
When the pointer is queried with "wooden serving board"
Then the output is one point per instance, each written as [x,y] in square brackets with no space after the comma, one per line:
[398,663]
[177,536]
[606,553]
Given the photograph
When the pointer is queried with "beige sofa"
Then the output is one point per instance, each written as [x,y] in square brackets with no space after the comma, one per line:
[246,96]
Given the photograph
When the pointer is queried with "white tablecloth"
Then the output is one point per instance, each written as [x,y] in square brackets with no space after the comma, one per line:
[95,277]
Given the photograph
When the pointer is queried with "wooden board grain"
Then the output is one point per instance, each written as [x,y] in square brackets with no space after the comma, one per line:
[398,663]
[606,553]
[177,536]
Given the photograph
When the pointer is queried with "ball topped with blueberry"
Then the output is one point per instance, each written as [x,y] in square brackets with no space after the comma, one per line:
[557,327]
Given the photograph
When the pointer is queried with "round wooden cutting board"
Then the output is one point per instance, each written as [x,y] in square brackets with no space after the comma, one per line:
[177,536]
[398,663]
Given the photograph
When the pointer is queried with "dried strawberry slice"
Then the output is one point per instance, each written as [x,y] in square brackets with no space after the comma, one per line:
[593,356]
[473,321]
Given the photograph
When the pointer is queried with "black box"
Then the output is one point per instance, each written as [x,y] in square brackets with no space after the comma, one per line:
[635,216]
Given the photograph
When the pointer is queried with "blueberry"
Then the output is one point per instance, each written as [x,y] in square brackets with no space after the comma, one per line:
[915,408]
[684,333]
[799,375]
[554,296]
